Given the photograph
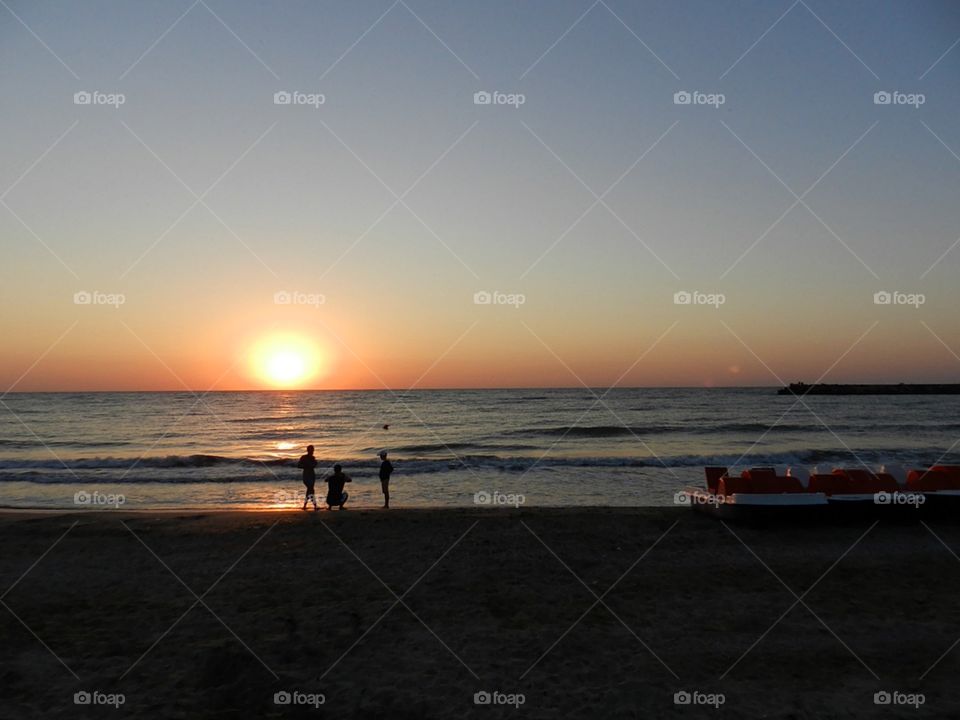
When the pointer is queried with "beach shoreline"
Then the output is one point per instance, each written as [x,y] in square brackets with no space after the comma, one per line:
[188,511]
[585,612]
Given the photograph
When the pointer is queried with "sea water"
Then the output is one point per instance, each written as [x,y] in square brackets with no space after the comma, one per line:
[534,447]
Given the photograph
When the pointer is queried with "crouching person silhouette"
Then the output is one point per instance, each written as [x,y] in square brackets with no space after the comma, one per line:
[336,497]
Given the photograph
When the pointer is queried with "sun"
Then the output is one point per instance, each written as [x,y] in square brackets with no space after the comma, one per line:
[286,366]
[287,361]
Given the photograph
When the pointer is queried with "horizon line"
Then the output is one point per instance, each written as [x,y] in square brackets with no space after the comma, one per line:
[462,388]
[416,389]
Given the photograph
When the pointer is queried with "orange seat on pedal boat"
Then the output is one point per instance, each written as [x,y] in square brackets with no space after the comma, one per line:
[864,482]
[714,474]
[939,477]
[759,480]
[830,484]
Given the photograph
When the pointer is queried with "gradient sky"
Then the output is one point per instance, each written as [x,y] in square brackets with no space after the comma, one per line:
[103,198]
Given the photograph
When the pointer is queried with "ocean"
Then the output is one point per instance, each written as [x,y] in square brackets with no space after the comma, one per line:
[561,447]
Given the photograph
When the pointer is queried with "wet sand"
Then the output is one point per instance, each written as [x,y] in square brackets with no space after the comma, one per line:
[591,613]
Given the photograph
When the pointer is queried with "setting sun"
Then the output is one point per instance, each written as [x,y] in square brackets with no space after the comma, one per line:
[286,361]
[286,366]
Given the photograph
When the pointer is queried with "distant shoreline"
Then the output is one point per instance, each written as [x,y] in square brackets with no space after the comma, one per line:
[194,511]
[879,389]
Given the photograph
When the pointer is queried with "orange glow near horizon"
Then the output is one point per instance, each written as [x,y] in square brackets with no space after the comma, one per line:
[398,345]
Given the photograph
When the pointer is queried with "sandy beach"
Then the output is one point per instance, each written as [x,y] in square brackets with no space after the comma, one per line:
[411,613]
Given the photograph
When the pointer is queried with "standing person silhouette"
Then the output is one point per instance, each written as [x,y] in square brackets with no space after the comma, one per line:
[335,494]
[385,469]
[308,464]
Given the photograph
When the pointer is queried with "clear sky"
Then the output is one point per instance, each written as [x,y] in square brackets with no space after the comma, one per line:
[198,199]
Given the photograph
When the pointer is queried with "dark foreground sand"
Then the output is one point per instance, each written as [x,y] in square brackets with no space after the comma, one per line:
[305,602]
